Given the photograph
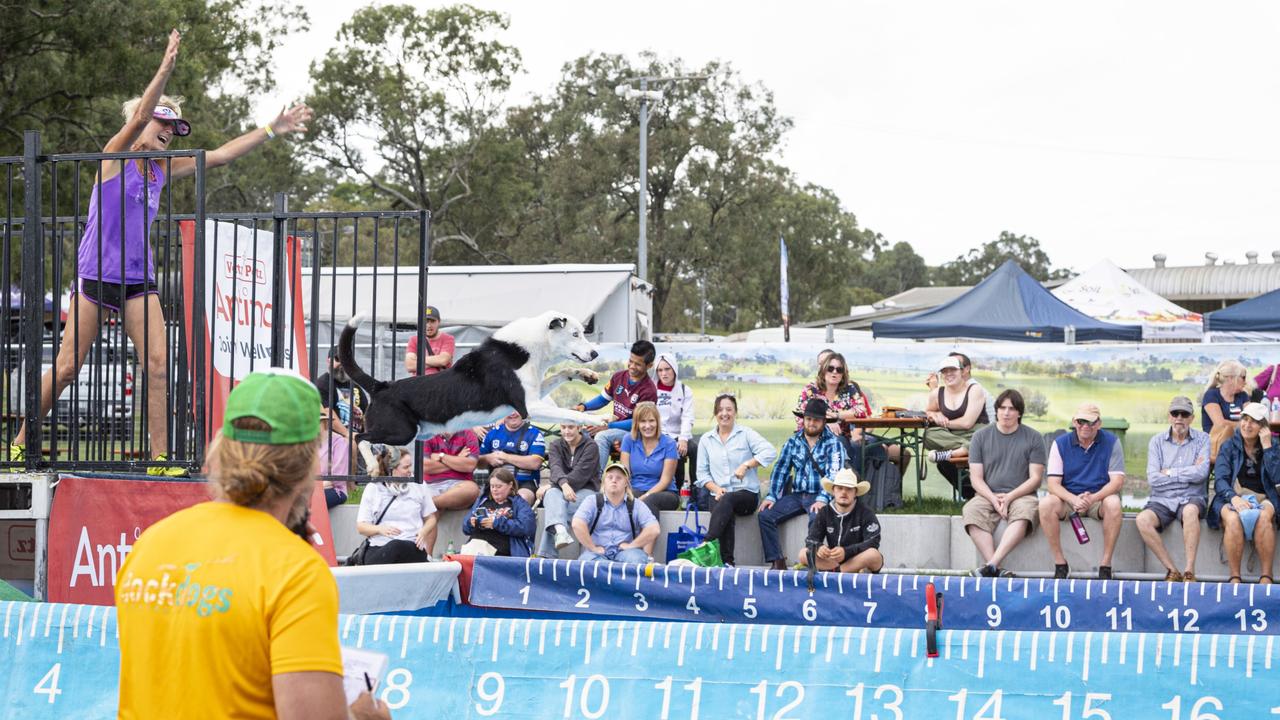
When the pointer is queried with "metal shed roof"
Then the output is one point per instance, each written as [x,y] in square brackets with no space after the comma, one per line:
[1210,282]
[485,295]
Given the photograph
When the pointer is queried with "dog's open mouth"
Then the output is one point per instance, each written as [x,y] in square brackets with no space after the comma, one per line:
[580,358]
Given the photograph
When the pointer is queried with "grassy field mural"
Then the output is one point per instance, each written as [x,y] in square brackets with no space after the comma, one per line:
[1131,383]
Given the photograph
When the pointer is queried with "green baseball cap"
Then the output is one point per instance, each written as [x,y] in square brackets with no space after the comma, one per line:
[282,399]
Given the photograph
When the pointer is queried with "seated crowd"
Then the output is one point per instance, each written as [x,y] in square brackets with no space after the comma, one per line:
[979,443]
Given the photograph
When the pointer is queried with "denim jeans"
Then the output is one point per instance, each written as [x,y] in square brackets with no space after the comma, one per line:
[558,511]
[786,507]
[630,555]
[604,443]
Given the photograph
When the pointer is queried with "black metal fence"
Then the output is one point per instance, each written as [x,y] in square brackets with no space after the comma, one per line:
[168,309]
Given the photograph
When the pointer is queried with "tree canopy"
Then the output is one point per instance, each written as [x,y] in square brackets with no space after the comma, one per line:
[412,111]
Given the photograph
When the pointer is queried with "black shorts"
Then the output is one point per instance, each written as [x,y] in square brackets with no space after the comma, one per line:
[1165,518]
[529,485]
[113,295]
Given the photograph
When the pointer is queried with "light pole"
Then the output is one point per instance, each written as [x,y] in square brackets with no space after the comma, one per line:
[626,91]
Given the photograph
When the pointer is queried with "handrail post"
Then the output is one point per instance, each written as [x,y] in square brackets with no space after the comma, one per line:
[32,296]
[199,323]
[424,264]
[280,271]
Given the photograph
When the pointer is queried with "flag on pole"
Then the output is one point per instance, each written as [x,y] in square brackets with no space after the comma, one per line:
[786,294]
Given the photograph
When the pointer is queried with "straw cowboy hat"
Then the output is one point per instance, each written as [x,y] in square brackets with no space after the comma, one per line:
[847,478]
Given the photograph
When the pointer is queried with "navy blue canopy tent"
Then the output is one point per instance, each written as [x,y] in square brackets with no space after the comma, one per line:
[1008,305]
[1260,314]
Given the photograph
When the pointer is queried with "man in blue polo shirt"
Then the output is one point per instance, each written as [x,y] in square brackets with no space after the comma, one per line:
[1086,473]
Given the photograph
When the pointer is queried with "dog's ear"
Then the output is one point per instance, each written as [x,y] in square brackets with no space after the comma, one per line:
[590,327]
[556,323]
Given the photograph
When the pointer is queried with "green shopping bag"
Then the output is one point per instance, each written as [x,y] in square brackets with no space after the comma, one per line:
[705,555]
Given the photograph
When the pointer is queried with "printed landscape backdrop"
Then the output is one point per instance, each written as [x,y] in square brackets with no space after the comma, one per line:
[1131,383]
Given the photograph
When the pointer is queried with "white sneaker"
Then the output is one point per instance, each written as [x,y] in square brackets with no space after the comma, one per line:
[937,456]
[563,538]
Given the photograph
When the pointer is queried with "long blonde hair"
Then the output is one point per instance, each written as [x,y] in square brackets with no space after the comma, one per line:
[253,474]
[644,410]
[1226,369]
[173,102]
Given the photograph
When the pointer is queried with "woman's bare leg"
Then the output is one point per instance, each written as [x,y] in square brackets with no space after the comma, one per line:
[83,323]
[144,324]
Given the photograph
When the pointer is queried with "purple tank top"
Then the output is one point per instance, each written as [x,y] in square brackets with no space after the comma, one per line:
[134,252]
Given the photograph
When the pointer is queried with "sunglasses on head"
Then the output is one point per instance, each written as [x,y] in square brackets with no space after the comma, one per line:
[1180,413]
[835,368]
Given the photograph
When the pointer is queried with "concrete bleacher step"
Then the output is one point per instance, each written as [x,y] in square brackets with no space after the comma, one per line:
[936,542]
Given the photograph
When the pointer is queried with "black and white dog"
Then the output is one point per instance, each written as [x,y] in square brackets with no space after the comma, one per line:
[503,375]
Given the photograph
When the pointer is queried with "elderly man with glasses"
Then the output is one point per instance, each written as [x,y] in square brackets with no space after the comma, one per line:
[1086,473]
[1177,470]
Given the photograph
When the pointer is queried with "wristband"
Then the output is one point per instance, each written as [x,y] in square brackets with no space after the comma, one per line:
[271,134]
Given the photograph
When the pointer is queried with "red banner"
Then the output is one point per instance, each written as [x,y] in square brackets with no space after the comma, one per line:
[94,522]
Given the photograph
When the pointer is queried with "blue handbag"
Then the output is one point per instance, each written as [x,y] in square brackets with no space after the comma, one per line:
[685,537]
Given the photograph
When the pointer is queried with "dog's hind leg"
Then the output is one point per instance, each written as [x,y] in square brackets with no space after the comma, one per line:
[546,412]
[372,459]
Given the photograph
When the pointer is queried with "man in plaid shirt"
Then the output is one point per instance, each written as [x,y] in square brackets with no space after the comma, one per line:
[795,486]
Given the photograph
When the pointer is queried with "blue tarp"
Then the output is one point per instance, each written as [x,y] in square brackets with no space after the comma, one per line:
[1008,305]
[1261,314]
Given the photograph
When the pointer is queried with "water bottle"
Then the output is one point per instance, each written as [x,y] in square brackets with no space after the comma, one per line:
[684,497]
[1275,410]
[1082,536]
[453,549]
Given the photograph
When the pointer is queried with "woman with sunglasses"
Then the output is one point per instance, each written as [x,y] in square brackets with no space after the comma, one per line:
[846,401]
[116,263]
[1245,496]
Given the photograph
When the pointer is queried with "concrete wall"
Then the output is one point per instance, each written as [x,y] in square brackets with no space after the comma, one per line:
[929,542]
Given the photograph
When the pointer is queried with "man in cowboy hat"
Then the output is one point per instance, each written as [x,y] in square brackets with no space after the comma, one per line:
[845,532]
[810,456]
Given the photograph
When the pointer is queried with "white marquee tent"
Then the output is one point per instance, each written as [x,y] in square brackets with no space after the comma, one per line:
[1108,293]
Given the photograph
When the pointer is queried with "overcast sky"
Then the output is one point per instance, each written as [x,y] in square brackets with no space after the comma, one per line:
[1104,129]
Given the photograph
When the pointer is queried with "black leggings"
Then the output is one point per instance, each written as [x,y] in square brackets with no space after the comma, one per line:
[659,501]
[738,502]
[394,552]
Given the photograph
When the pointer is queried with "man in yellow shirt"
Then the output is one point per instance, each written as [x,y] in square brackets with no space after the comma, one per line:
[224,610]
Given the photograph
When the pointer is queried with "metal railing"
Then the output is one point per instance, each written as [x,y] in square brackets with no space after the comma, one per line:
[246,310]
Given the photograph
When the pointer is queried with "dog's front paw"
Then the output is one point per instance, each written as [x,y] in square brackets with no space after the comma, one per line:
[590,377]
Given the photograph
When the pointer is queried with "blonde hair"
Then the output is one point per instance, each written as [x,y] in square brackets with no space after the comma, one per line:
[1226,369]
[173,102]
[642,411]
[253,474]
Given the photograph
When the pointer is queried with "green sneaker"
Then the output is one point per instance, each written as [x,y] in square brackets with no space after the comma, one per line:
[157,471]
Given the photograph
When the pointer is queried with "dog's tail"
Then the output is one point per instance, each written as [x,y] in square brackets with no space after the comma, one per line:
[347,356]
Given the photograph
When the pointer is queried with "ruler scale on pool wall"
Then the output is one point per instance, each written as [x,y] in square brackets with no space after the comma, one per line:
[743,595]
[61,662]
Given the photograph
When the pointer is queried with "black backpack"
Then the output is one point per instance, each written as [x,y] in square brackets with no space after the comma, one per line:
[631,514]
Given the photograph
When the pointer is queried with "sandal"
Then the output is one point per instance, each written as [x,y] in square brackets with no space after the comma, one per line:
[1234,580]
[1173,576]
[1268,578]
[1188,577]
